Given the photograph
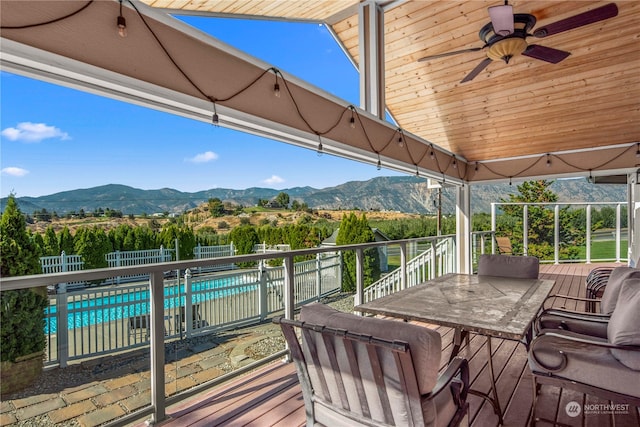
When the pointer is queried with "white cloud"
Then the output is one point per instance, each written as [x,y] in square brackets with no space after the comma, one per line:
[205,157]
[275,179]
[33,132]
[14,171]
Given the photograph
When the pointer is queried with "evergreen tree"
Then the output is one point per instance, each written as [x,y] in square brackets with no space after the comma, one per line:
[21,311]
[244,238]
[93,244]
[51,245]
[353,230]
[540,222]
[66,242]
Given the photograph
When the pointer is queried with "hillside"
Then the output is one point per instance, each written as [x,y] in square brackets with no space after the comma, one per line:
[396,194]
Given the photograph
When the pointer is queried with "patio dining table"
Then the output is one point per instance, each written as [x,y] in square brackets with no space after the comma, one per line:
[488,305]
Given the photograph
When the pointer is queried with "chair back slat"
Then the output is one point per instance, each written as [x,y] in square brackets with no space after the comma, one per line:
[378,375]
[357,378]
[335,368]
[310,344]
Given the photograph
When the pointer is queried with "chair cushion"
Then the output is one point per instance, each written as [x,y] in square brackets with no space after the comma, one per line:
[522,267]
[624,327]
[425,343]
[611,291]
[586,363]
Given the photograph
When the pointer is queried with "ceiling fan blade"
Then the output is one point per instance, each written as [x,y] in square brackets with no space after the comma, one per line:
[544,53]
[481,66]
[444,55]
[599,14]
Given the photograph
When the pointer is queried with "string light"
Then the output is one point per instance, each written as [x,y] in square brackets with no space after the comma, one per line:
[276,90]
[215,119]
[454,164]
[476,168]
[638,150]
[122,24]
[417,172]
[548,160]
[400,139]
[379,165]
[509,180]
[319,152]
[352,120]
[431,153]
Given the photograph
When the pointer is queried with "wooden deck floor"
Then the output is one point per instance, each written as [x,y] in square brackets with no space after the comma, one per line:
[271,396]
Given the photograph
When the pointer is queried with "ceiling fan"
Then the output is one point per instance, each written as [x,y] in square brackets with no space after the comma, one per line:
[505,36]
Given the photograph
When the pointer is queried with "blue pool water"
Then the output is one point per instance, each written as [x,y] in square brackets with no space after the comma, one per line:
[104,309]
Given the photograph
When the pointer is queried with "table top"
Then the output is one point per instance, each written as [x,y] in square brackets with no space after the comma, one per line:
[495,306]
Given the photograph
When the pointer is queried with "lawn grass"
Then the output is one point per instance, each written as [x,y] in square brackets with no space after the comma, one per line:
[605,249]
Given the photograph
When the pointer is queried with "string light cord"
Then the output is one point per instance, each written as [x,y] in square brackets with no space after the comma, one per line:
[52,21]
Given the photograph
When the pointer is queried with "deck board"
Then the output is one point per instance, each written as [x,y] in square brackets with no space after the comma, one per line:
[271,396]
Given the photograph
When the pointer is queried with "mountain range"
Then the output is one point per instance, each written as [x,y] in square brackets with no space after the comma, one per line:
[403,194]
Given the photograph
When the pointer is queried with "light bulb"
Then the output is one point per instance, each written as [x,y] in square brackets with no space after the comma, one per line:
[276,90]
[400,142]
[352,122]
[122,26]
[638,151]
[319,149]
[379,166]
[455,165]
[215,119]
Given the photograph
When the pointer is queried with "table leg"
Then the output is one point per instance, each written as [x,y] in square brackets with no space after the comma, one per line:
[458,336]
[494,389]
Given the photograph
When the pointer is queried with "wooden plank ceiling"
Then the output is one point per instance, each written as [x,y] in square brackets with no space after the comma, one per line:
[525,108]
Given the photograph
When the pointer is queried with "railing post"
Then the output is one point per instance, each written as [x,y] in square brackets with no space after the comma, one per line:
[433,268]
[262,281]
[556,234]
[118,265]
[618,233]
[525,229]
[156,294]
[289,294]
[493,227]
[588,230]
[62,327]
[188,306]
[403,265]
[318,275]
[359,296]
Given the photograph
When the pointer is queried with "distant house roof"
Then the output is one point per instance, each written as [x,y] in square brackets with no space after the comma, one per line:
[379,236]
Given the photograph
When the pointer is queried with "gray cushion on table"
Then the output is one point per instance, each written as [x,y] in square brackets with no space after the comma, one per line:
[425,343]
[624,325]
[521,267]
[611,291]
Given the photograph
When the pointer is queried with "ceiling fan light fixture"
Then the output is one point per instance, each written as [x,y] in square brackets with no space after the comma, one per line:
[505,49]
[502,19]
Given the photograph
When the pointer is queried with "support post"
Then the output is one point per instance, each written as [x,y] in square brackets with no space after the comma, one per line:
[463,229]
[403,265]
[588,230]
[371,42]
[556,234]
[359,296]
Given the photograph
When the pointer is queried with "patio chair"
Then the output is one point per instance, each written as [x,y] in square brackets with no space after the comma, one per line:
[521,267]
[596,282]
[607,367]
[589,323]
[503,246]
[365,371]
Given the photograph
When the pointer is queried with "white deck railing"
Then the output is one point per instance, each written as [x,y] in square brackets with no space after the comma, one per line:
[436,260]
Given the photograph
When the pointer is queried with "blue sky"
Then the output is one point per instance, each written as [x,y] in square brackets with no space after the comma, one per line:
[56,139]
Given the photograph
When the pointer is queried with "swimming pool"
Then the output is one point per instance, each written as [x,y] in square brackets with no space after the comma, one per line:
[134,301]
